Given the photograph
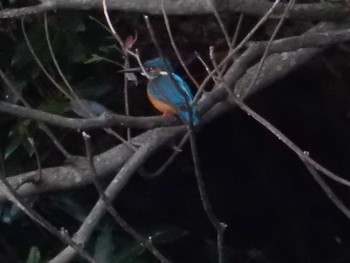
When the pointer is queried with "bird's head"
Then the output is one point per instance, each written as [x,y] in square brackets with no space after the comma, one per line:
[154,67]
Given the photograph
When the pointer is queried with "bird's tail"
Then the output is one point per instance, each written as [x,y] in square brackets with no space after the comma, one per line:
[185,115]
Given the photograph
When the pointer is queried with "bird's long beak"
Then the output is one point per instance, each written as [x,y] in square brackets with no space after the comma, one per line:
[130,70]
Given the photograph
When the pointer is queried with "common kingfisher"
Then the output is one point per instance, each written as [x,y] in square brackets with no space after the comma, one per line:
[168,94]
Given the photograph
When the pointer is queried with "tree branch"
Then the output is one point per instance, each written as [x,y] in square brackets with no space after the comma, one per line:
[310,12]
[157,138]
[103,121]
[71,176]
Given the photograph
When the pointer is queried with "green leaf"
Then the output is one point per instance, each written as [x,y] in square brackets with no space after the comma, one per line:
[19,137]
[70,22]
[71,205]
[94,59]
[104,246]
[34,255]
[9,212]
[91,88]
[67,45]
[53,106]
[168,233]
[28,147]
[108,48]
[22,57]
[15,141]
[129,253]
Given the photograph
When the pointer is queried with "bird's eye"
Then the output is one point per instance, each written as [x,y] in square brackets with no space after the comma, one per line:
[150,68]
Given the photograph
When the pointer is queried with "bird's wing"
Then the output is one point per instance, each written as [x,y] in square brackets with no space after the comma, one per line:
[184,86]
[165,89]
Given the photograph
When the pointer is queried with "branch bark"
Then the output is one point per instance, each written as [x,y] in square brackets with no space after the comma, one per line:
[310,12]
[103,121]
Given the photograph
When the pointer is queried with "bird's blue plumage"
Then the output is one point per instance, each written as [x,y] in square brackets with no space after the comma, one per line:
[167,91]
[174,91]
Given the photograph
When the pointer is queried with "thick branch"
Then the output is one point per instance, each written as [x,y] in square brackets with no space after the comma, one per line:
[72,176]
[103,121]
[321,11]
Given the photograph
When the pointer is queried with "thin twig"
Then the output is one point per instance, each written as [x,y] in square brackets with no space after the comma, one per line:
[126,63]
[233,51]
[205,65]
[217,224]
[266,52]
[221,24]
[126,94]
[234,38]
[30,47]
[37,157]
[238,28]
[329,192]
[176,50]
[175,153]
[52,54]
[303,154]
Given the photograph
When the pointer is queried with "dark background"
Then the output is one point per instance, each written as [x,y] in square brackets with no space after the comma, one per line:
[274,210]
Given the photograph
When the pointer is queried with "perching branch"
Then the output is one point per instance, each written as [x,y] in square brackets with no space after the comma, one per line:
[103,121]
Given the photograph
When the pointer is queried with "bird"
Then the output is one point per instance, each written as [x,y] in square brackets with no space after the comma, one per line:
[167,91]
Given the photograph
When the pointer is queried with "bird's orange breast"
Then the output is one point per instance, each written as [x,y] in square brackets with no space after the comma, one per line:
[163,107]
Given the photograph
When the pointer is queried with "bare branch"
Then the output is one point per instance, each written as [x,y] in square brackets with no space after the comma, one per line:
[177,150]
[69,177]
[232,52]
[331,195]
[156,139]
[38,176]
[176,50]
[214,220]
[221,23]
[112,211]
[103,121]
[310,12]
[266,52]
[126,62]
